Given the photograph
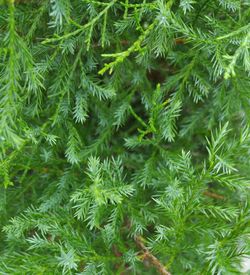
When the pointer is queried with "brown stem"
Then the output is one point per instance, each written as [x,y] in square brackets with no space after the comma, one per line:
[213,195]
[150,257]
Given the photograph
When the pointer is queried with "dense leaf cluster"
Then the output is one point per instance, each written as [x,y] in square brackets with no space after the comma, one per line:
[124,136]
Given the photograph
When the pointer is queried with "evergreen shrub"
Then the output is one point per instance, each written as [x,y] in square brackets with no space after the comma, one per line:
[124,136]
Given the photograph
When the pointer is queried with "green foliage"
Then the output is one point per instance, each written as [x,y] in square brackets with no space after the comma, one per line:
[123,121]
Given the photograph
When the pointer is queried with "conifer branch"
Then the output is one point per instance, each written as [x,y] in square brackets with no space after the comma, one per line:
[119,57]
[81,28]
